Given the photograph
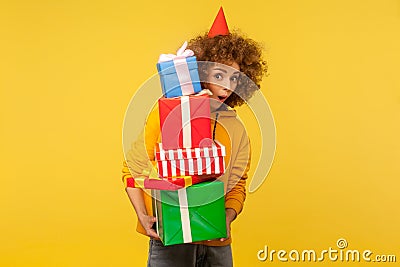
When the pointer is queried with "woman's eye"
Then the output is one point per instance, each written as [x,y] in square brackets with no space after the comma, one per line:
[234,78]
[218,76]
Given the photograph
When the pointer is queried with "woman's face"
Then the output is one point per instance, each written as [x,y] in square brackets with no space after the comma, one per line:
[222,81]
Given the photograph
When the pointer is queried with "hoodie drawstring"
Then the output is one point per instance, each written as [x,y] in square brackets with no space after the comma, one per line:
[215,125]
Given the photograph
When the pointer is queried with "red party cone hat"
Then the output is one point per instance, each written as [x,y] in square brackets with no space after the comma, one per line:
[219,26]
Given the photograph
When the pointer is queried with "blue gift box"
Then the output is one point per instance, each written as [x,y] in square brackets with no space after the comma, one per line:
[170,83]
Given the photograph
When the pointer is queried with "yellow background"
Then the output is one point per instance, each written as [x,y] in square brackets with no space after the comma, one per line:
[69,68]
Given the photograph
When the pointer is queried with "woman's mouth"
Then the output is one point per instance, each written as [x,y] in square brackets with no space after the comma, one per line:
[222,98]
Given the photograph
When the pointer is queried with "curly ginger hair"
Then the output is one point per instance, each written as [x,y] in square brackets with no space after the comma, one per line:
[226,49]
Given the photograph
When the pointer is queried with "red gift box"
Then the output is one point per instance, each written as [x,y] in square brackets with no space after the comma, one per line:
[165,183]
[191,161]
[185,121]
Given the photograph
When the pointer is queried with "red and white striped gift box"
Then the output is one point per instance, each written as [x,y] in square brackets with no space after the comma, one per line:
[191,161]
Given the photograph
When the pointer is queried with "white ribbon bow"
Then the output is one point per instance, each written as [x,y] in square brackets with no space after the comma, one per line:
[181,53]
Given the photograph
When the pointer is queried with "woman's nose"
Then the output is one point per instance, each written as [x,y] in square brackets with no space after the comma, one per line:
[226,84]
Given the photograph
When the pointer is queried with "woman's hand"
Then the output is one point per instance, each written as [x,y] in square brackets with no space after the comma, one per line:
[230,216]
[147,222]
[137,200]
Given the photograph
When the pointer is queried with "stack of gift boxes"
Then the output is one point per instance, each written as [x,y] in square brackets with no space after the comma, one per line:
[187,200]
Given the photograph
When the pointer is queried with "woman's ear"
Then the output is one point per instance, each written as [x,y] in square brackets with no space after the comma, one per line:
[241,80]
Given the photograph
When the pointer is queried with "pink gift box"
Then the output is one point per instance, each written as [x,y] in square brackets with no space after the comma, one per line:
[165,183]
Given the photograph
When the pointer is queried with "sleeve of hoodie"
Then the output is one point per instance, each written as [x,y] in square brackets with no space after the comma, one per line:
[139,157]
[236,191]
